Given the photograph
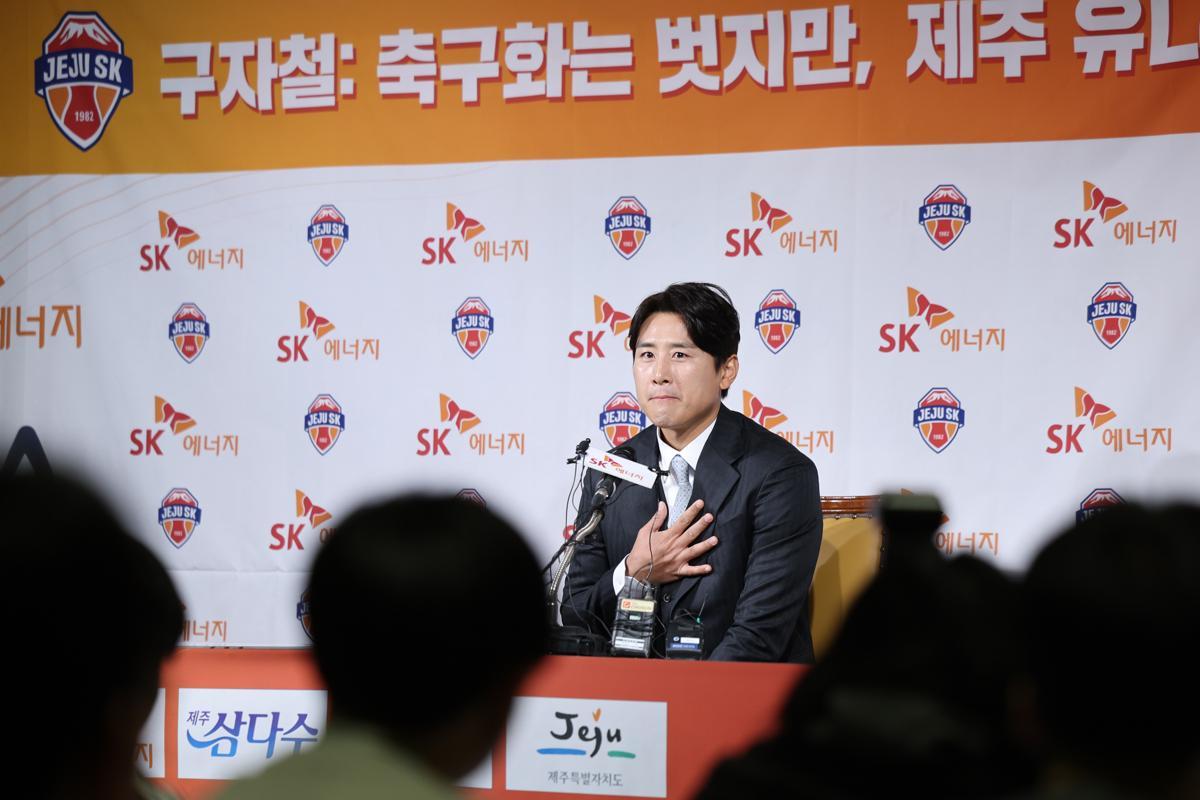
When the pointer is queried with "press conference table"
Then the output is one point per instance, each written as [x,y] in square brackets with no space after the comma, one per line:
[713,709]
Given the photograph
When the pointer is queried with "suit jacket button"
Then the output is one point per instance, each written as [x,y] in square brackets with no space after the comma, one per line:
[666,598]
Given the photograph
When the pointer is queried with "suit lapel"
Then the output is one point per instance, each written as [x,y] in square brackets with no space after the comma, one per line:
[715,478]
[715,474]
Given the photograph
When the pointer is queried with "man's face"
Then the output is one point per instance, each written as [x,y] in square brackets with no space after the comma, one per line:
[678,384]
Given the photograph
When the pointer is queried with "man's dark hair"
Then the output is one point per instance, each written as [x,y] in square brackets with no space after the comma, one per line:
[1112,607]
[90,615]
[707,312]
[911,695]
[422,607]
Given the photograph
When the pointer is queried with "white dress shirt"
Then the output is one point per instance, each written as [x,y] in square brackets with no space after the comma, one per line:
[691,454]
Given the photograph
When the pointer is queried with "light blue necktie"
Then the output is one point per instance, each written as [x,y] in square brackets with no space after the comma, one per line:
[683,479]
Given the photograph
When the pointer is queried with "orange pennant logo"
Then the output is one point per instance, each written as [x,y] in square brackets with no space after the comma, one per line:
[920,306]
[764,415]
[1095,200]
[168,228]
[310,319]
[1096,413]
[166,414]
[308,509]
[454,413]
[456,220]
[761,210]
[617,321]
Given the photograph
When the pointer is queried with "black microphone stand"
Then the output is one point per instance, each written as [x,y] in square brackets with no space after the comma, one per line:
[572,640]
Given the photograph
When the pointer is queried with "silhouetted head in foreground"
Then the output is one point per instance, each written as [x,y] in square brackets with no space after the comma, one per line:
[910,700]
[90,616]
[1112,609]
[426,615]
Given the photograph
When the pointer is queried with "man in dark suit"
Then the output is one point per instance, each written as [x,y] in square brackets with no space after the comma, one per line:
[730,533]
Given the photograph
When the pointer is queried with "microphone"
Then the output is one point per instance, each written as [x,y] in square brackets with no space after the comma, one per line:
[573,640]
[608,483]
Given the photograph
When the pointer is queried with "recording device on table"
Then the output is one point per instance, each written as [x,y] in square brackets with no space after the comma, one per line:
[685,636]
[633,628]
[633,624]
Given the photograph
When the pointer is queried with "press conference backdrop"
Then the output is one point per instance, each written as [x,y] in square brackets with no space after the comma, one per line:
[260,262]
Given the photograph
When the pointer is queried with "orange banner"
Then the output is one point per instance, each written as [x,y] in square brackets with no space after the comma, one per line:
[137,86]
[704,726]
